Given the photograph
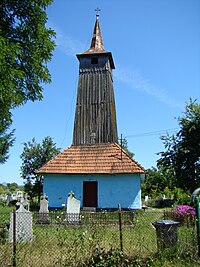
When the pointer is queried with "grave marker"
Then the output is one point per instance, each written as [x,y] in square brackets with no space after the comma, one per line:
[44,211]
[24,201]
[24,229]
[73,208]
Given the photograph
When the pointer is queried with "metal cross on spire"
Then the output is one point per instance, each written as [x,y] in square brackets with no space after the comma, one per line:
[97,12]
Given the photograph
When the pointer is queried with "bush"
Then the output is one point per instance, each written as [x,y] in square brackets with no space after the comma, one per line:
[3,232]
[181,197]
[164,203]
[100,257]
[184,214]
[2,203]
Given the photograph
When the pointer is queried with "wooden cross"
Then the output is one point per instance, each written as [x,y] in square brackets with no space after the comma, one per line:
[97,12]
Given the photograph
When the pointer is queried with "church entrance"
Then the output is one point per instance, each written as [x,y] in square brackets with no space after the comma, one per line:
[90,194]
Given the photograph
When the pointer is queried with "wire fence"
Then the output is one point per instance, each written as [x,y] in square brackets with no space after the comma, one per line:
[60,239]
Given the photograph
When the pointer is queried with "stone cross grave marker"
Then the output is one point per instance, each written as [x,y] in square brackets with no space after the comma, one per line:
[24,228]
[73,208]
[44,211]
[25,202]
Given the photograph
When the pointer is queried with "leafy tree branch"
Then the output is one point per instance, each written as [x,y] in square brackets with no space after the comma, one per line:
[26,47]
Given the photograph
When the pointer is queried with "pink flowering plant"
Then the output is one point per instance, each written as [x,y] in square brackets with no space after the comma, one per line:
[184,214]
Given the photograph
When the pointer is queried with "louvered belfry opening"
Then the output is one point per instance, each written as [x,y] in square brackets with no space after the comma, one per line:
[95,116]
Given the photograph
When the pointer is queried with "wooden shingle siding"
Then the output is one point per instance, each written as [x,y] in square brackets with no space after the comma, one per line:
[95,117]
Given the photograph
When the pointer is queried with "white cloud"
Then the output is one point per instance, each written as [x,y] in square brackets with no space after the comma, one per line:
[65,43]
[137,82]
[133,78]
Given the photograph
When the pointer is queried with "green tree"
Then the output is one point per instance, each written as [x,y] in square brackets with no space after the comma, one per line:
[34,156]
[12,186]
[26,46]
[124,145]
[3,189]
[182,155]
[6,140]
[156,181]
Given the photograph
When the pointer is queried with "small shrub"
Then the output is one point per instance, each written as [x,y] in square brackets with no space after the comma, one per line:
[184,214]
[100,257]
[164,203]
[3,233]
[2,203]
[181,197]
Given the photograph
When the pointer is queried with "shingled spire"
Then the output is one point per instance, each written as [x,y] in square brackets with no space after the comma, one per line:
[97,41]
[95,117]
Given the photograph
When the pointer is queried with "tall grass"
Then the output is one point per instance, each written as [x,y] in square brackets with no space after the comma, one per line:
[95,244]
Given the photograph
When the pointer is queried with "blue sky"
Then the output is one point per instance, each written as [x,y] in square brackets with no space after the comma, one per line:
[156,49]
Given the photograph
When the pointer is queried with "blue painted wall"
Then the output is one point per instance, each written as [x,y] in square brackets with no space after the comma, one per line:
[112,189]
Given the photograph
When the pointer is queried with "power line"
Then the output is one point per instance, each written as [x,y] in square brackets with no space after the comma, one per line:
[70,114]
[160,132]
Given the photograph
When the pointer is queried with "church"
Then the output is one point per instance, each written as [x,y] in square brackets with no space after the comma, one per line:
[95,167]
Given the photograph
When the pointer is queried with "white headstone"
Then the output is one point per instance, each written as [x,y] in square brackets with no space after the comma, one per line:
[44,204]
[73,208]
[24,229]
[26,202]
[44,211]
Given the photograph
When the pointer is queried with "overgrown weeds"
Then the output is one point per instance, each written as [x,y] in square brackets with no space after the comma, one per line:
[115,258]
[63,245]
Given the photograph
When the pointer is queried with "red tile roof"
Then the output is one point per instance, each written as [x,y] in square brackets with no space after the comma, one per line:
[92,159]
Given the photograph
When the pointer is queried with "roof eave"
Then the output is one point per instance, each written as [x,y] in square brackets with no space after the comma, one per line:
[88,173]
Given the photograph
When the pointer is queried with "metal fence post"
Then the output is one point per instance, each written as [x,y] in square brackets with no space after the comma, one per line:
[197,207]
[14,238]
[120,226]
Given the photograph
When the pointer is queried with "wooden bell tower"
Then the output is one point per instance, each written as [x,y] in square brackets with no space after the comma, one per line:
[95,116]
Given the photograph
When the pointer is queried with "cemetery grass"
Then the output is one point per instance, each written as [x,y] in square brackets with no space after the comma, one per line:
[61,245]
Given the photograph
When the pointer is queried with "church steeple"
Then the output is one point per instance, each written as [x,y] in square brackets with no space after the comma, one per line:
[95,117]
[97,46]
[97,41]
